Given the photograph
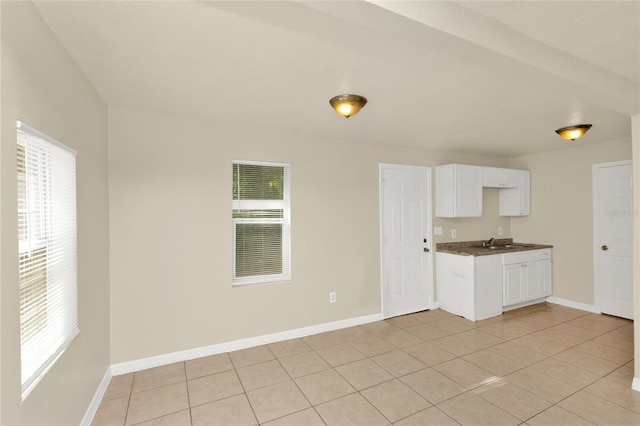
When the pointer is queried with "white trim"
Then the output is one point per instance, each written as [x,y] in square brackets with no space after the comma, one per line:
[575,305]
[97,398]
[635,385]
[160,360]
[597,287]
[523,304]
[260,163]
[25,128]
[285,221]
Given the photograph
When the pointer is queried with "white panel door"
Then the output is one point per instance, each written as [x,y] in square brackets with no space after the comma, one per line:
[613,238]
[407,277]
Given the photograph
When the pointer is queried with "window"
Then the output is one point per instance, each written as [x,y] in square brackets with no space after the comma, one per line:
[47,269]
[261,222]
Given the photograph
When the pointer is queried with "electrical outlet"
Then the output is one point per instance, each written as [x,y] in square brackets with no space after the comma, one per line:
[332,297]
[453,233]
[500,230]
[437,230]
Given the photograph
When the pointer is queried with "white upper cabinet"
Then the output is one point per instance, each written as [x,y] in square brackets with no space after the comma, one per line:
[458,191]
[494,177]
[517,201]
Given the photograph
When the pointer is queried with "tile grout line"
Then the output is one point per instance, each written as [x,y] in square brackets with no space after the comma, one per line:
[186,385]
[546,358]
[380,335]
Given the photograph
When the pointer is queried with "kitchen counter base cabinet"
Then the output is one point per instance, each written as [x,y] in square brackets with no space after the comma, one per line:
[527,277]
[470,286]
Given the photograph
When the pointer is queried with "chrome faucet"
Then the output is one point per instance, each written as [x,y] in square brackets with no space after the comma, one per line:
[489,243]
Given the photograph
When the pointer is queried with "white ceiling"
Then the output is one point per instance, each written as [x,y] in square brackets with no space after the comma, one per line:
[481,77]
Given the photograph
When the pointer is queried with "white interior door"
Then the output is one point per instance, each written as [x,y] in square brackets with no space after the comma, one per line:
[407,256]
[613,237]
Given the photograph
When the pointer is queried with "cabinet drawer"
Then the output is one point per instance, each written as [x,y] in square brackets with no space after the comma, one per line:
[526,256]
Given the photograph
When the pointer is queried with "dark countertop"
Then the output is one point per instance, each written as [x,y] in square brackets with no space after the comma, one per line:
[476,248]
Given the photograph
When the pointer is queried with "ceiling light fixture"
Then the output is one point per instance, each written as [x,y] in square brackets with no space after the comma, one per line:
[348,105]
[572,133]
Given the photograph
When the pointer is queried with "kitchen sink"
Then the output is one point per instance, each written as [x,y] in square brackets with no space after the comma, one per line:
[509,246]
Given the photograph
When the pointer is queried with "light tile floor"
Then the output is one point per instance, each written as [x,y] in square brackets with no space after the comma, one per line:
[540,365]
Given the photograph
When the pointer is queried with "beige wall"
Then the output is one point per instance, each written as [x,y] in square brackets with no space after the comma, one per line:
[43,87]
[170,198]
[167,271]
[562,211]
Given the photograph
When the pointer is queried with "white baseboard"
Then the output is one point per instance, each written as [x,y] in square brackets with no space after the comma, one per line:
[160,360]
[635,385]
[523,304]
[97,397]
[571,304]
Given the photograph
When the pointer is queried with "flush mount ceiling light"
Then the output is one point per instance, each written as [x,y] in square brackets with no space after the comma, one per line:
[572,133]
[348,105]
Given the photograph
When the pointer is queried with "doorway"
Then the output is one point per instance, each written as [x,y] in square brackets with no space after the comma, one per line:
[613,238]
[406,246]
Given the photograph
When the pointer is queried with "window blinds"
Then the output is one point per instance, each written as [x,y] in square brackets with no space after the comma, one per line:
[261,211]
[47,251]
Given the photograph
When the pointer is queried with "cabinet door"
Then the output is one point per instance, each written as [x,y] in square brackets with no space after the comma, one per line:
[445,190]
[524,190]
[537,282]
[532,280]
[468,188]
[490,178]
[509,178]
[513,284]
[516,201]
[494,177]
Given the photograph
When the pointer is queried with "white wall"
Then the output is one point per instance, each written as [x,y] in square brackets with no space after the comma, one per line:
[562,211]
[170,199]
[43,87]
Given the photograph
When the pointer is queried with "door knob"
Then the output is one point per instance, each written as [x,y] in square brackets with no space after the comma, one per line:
[604,248]
[426,250]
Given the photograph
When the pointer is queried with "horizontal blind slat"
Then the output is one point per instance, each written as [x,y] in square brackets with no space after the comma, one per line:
[260,212]
[48,253]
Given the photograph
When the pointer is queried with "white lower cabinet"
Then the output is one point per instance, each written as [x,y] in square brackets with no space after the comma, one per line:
[526,276]
[480,287]
[470,286]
